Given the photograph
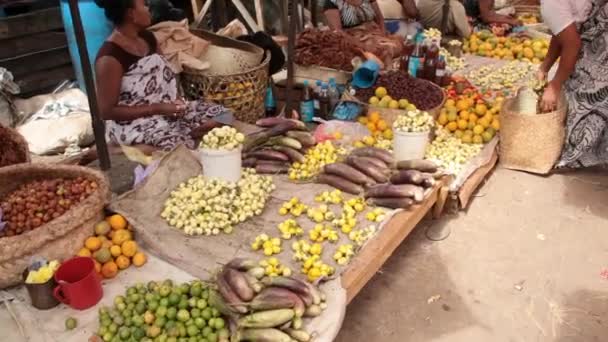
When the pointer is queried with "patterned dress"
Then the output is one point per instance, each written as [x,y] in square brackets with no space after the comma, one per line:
[587,95]
[151,81]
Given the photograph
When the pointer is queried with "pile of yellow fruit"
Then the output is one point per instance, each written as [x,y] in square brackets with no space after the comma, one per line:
[528,18]
[381,133]
[112,247]
[486,44]
[470,121]
[384,100]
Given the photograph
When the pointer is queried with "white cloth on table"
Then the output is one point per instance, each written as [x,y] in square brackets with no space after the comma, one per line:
[559,14]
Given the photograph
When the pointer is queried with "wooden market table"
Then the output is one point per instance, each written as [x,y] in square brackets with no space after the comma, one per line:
[373,255]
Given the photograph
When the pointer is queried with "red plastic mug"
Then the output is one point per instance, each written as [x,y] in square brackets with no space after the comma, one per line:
[79,286]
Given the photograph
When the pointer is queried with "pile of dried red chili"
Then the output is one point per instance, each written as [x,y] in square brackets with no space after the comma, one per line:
[325,48]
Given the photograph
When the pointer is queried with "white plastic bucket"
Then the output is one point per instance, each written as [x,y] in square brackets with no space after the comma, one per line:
[222,164]
[407,146]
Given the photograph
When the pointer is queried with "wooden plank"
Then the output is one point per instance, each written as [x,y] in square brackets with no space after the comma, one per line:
[30,23]
[36,62]
[32,43]
[246,16]
[200,15]
[472,183]
[369,260]
[35,82]
[258,14]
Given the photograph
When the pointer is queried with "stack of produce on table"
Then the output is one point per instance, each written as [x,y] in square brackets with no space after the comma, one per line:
[364,167]
[223,138]
[381,133]
[407,185]
[432,34]
[113,247]
[326,48]
[504,78]
[265,309]
[273,150]
[164,311]
[314,160]
[471,119]
[528,18]
[414,121]
[450,153]
[35,203]
[210,206]
[41,273]
[486,44]
[454,63]
[422,94]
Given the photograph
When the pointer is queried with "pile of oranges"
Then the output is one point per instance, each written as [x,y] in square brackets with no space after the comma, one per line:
[471,119]
[112,247]
[381,133]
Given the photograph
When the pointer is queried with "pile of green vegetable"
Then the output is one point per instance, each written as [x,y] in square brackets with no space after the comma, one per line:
[274,149]
[265,308]
[163,311]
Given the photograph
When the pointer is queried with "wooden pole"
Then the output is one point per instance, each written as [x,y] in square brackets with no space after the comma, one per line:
[291,43]
[87,73]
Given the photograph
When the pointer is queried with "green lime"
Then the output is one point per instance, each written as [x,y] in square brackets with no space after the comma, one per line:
[149,297]
[184,288]
[183,304]
[174,298]
[119,299]
[205,294]
[152,285]
[124,333]
[196,290]
[171,312]
[133,298]
[192,302]
[164,291]
[193,339]
[195,312]
[131,290]
[183,315]
[215,312]
[160,321]
[164,302]
[161,311]
[199,322]
[172,339]
[127,313]
[201,303]
[219,323]
[167,282]
[206,331]
[140,308]
[71,323]
[107,337]
[212,337]
[153,305]
[118,320]
[192,330]
[224,333]
[207,313]
[138,320]
[106,321]
[102,331]
[172,331]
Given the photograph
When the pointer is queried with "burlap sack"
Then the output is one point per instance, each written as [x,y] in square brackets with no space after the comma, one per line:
[58,239]
[13,147]
[531,143]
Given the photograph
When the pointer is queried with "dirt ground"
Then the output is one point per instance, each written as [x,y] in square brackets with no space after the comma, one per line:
[524,263]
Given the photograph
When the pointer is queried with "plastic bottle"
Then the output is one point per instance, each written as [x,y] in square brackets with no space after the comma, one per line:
[430,63]
[324,105]
[416,57]
[316,96]
[307,106]
[270,104]
[440,73]
[408,48]
[333,93]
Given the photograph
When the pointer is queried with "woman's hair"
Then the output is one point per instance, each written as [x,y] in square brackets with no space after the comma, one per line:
[115,10]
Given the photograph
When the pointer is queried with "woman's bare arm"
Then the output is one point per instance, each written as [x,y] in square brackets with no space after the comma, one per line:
[109,77]
[567,56]
[410,9]
[552,55]
[333,19]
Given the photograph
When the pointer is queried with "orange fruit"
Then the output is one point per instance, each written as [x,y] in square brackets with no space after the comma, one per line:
[117,222]
[462,105]
[92,243]
[481,109]
[109,270]
[106,244]
[115,250]
[464,115]
[452,126]
[121,236]
[496,124]
[463,124]
[97,266]
[139,259]
[123,262]
[473,118]
[467,139]
[477,139]
[373,117]
[371,126]
[381,125]
[388,134]
[478,129]
[84,252]
[129,248]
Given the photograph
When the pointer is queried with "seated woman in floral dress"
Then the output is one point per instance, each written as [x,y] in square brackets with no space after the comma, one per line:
[137,90]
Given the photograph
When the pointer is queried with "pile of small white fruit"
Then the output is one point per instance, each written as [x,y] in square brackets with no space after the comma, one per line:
[223,138]
[414,121]
[210,206]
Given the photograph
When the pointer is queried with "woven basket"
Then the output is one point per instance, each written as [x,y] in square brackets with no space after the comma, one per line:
[531,143]
[58,239]
[242,92]
[390,115]
[13,147]
[228,56]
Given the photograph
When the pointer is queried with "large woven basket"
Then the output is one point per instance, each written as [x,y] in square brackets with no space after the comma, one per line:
[528,142]
[58,239]
[229,56]
[13,147]
[242,92]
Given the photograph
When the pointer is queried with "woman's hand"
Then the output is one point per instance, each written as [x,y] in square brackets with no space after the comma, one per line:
[550,97]
[541,74]
[175,109]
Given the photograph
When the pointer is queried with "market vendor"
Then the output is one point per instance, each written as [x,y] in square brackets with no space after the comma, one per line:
[363,20]
[483,11]
[138,92]
[579,30]
[431,15]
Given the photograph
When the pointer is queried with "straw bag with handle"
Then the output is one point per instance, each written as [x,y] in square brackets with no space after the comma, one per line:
[529,141]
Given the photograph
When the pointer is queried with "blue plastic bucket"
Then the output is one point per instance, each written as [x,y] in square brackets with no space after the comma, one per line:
[96,29]
[365,76]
